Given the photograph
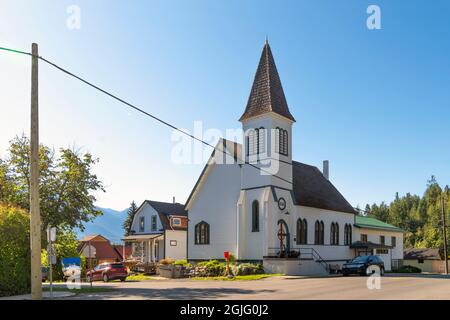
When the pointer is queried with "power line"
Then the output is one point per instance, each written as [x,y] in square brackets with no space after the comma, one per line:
[138,109]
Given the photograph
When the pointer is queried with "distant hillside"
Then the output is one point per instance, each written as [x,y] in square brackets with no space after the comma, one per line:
[108,225]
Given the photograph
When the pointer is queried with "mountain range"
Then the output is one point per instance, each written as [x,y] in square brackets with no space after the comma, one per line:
[108,225]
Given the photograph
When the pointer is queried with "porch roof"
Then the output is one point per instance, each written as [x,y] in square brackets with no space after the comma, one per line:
[142,236]
[368,245]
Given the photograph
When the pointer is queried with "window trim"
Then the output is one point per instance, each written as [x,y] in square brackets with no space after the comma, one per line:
[319,233]
[154,221]
[142,224]
[176,224]
[363,235]
[199,238]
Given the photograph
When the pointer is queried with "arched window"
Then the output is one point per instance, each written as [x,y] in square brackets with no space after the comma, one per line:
[255,216]
[261,140]
[299,231]
[202,233]
[281,141]
[252,142]
[322,232]
[277,140]
[302,231]
[305,232]
[332,233]
[348,234]
[319,232]
[285,143]
[336,233]
[316,232]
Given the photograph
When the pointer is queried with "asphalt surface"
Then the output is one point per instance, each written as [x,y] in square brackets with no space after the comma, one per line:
[285,288]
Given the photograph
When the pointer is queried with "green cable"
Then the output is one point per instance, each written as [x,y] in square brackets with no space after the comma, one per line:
[15,51]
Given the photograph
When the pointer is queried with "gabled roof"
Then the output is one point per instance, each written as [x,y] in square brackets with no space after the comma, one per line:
[103,248]
[93,237]
[422,253]
[165,210]
[368,245]
[372,223]
[312,189]
[267,94]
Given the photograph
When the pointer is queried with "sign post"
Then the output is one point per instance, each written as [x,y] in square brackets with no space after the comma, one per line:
[226,255]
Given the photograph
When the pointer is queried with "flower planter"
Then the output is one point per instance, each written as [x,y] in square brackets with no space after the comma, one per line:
[171,271]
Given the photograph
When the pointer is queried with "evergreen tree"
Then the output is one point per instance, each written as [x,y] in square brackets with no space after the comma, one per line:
[129,220]
[419,217]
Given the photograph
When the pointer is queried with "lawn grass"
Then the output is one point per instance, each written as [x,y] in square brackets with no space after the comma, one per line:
[249,277]
[140,277]
[83,289]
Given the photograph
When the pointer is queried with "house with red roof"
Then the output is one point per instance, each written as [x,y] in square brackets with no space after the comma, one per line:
[98,249]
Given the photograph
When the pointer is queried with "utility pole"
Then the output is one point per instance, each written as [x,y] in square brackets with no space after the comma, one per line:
[444,230]
[35,216]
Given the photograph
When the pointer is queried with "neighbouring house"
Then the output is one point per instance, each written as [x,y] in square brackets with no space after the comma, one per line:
[426,259]
[97,249]
[373,236]
[256,202]
[158,231]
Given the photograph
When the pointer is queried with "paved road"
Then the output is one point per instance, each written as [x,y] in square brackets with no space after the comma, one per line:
[392,287]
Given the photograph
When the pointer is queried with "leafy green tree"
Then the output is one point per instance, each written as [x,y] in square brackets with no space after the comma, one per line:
[15,256]
[419,217]
[66,184]
[129,220]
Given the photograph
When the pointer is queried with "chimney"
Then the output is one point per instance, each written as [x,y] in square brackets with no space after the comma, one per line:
[173,199]
[326,169]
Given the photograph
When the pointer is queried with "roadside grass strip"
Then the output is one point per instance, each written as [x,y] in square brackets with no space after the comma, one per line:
[250,277]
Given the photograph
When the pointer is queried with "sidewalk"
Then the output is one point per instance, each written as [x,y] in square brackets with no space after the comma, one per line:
[45,295]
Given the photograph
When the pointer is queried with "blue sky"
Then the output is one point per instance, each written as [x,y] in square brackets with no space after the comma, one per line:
[376,103]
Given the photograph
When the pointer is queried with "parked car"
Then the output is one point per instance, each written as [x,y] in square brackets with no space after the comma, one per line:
[363,265]
[44,272]
[108,271]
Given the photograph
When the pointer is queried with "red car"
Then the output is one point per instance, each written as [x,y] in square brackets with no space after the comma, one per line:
[108,271]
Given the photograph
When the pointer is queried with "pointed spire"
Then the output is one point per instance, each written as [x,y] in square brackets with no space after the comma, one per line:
[267,93]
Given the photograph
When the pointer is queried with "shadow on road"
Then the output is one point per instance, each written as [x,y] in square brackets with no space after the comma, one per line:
[169,293]
[418,275]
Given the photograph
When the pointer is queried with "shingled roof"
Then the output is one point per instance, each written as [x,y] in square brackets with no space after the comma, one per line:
[267,94]
[312,189]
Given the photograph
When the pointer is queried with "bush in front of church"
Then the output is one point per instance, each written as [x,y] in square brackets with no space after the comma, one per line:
[211,268]
[244,269]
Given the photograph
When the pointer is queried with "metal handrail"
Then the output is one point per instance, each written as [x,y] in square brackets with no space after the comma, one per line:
[308,252]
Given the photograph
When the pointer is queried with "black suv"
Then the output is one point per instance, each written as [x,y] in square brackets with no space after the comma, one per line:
[364,265]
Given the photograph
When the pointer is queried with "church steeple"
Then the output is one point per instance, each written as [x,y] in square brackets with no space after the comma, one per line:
[267,93]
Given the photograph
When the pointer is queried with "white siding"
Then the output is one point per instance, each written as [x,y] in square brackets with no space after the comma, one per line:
[215,203]
[178,251]
[373,235]
[147,212]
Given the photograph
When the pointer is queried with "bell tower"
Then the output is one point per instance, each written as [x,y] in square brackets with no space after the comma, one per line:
[267,125]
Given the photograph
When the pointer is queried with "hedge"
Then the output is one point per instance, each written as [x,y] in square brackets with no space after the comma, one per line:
[15,256]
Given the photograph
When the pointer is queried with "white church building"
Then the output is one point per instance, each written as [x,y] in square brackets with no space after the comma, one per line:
[256,202]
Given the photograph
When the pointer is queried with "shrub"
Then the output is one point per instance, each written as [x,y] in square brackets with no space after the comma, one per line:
[167,261]
[15,256]
[211,268]
[182,263]
[248,269]
[408,269]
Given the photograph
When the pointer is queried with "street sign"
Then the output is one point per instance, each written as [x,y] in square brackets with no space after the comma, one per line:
[51,254]
[51,234]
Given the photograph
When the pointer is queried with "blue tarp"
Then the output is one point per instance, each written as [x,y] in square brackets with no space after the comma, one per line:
[66,262]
